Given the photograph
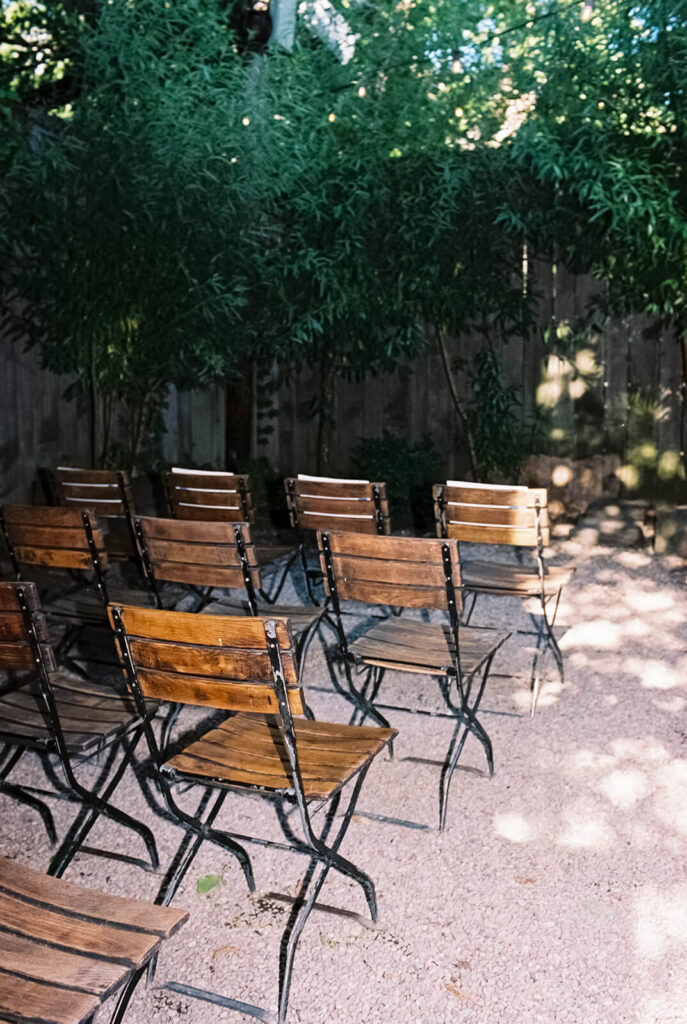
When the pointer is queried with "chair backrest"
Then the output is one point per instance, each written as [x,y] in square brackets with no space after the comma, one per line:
[488,514]
[323,503]
[202,554]
[407,572]
[62,538]
[108,491]
[208,495]
[232,663]
[24,641]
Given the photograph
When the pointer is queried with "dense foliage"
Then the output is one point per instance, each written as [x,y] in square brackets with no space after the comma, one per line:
[188,208]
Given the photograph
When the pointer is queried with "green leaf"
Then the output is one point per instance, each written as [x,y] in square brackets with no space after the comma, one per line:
[208,882]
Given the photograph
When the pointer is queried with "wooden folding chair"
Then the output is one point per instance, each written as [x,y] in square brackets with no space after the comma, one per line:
[63,542]
[65,949]
[517,517]
[108,493]
[63,718]
[205,556]
[247,666]
[216,496]
[406,572]
[326,503]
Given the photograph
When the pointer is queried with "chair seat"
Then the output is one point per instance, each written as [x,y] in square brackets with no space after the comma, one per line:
[513,580]
[301,616]
[248,750]
[425,647]
[86,606]
[90,714]
[64,949]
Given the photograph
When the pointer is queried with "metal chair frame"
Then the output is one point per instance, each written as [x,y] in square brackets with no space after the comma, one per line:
[200,826]
[469,687]
[94,800]
[544,627]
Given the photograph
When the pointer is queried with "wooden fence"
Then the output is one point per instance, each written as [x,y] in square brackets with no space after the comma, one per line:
[620,390]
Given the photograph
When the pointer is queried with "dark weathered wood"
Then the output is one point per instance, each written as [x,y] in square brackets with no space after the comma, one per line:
[515,580]
[48,1004]
[321,488]
[216,631]
[203,691]
[426,646]
[307,521]
[198,575]
[408,549]
[187,493]
[228,663]
[392,594]
[249,751]
[15,657]
[225,555]
[43,515]
[382,570]
[58,558]
[336,506]
[64,949]
[154,528]
[9,598]
[58,894]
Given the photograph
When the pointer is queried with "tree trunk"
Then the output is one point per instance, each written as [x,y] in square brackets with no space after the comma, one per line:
[683,396]
[460,408]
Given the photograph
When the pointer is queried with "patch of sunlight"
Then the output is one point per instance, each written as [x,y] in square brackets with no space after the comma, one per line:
[600,633]
[577,388]
[642,601]
[561,475]
[514,827]
[643,750]
[592,759]
[624,788]
[673,705]
[660,920]
[628,475]
[633,559]
[585,361]
[586,829]
[654,674]
[671,800]
[612,700]
[635,627]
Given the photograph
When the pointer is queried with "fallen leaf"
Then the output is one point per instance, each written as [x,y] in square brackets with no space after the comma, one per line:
[458,992]
[208,882]
[225,951]
[526,881]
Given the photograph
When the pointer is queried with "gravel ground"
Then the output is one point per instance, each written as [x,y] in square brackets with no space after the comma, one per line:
[557,893]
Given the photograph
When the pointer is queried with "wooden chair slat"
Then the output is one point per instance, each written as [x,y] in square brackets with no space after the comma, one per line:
[215,631]
[227,500]
[156,529]
[208,481]
[332,488]
[484,515]
[511,535]
[392,594]
[386,571]
[199,575]
[104,477]
[202,692]
[422,550]
[9,600]
[43,515]
[59,558]
[335,506]
[517,497]
[58,537]
[97,938]
[60,895]
[58,967]
[49,1004]
[232,664]
[225,555]
[13,627]
[15,657]
[309,521]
